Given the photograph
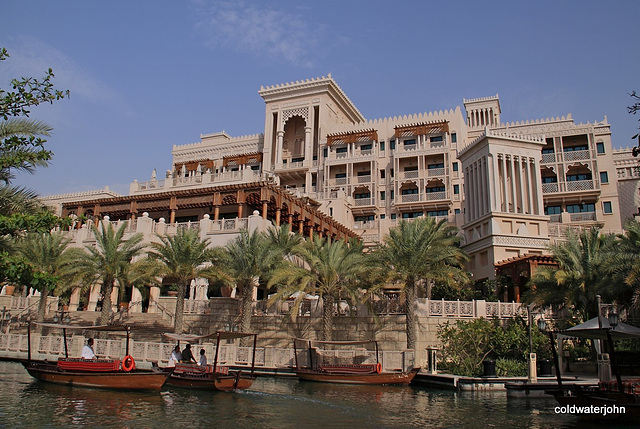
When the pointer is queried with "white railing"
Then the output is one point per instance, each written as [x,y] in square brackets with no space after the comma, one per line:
[229,224]
[369,224]
[187,225]
[410,198]
[293,164]
[555,218]
[433,196]
[338,181]
[548,188]
[431,172]
[548,157]
[576,155]
[371,238]
[151,184]
[410,174]
[580,185]
[363,201]
[364,179]
[559,230]
[226,176]
[469,309]
[582,217]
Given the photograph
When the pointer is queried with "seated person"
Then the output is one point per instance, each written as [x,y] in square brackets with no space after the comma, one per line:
[187,356]
[87,350]
[176,356]
[203,358]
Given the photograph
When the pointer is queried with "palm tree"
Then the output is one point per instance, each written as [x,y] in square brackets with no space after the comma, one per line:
[627,263]
[183,257]
[286,241]
[584,271]
[50,255]
[109,262]
[418,253]
[244,261]
[19,156]
[331,270]
[15,200]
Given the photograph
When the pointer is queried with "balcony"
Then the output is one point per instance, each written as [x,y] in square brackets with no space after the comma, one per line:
[548,158]
[555,218]
[579,185]
[361,202]
[434,172]
[413,174]
[363,179]
[410,198]
[338,181]
[436,196]
[290,165]
[427,148]
[576,155]
[334,158]
[549,188]
[369,224]
[583,217]
[572,186]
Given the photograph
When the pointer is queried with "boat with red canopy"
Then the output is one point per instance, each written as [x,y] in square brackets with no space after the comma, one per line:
[211,377]
[348,373]
[119,374]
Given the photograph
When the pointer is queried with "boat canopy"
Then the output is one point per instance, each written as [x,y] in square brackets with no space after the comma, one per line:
[223,335]
[110,328]
[338,343]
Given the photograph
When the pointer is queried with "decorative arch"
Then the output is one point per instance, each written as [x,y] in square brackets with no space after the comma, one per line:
[229,199]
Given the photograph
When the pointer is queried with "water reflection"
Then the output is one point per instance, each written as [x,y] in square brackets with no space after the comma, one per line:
[271,403]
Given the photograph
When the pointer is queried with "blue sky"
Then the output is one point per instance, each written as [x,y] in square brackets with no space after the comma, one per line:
[145,75]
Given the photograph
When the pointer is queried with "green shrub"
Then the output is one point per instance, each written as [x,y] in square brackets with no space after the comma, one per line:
[511,368]
[467,343]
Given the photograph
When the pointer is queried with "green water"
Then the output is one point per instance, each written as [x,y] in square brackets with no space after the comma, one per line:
[271,403]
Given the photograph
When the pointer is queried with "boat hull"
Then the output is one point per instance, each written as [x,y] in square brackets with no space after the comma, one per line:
[373,378]
[225,383]
[115,380]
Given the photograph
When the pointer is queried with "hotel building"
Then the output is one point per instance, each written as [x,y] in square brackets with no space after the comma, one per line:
[321,166]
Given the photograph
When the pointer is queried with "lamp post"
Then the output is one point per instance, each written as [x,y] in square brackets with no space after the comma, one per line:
[614,319]
[61,316]
[533,370]
[542,326]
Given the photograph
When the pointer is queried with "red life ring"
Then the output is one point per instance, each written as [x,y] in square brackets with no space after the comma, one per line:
[128,364]
[378,367]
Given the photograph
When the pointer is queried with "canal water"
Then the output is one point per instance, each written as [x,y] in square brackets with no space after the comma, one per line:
[271,403]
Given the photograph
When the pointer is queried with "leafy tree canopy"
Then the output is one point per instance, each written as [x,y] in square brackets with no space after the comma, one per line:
[21,146]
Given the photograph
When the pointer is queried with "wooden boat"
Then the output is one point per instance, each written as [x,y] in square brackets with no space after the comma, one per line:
[349,373]
[97,373]
[211,377]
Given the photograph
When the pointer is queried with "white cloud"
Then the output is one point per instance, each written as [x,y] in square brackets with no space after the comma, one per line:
[31,57]
[258,30]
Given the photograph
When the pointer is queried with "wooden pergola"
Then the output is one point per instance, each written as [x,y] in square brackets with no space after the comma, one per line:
[352,137]
[422,128]
[272,203]
[518,270]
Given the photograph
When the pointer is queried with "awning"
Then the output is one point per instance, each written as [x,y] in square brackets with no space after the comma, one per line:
[591,329]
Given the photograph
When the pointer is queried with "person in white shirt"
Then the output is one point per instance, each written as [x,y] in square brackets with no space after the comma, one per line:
[203,358]
[176,356]
[87,350]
